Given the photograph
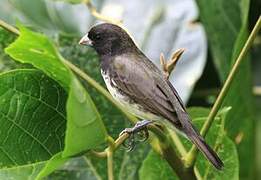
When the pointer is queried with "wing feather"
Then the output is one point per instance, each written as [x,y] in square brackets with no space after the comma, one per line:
[135,81]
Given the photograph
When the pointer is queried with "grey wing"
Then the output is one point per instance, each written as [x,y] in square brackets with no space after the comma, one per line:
[136,81]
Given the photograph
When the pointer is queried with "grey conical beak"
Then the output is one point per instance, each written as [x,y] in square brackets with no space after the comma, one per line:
[85,41]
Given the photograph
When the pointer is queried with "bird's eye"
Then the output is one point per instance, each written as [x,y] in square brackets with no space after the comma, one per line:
[97,36]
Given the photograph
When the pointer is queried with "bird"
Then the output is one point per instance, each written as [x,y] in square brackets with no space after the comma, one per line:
[139,86]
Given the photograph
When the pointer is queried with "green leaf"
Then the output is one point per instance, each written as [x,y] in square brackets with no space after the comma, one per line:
[77,169]
[38,50]
[218,140]
[32,117]
[56,161]
[26,172]
[85,129]
[228,153]
[154,167]
[227,33]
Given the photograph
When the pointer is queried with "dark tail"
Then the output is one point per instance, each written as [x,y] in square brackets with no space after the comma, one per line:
[209,153]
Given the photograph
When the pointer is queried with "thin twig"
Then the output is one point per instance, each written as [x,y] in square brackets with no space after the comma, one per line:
[191,157]
[98,15]
[117,143]
[8,27]
[168,66]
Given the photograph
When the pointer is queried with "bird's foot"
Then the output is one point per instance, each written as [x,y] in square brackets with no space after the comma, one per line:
[140,129]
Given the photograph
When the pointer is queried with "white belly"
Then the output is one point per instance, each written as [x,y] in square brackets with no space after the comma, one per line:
[125,101]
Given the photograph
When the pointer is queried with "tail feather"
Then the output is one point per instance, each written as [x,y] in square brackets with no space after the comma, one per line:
[209,153]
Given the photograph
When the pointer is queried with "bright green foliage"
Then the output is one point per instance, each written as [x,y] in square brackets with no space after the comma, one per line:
[219,141]
[85,129]
[26,172]
[56,161]
[154,167]
[33,120]
[226,26]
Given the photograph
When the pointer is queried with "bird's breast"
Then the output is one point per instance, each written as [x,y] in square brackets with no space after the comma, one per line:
[126,101]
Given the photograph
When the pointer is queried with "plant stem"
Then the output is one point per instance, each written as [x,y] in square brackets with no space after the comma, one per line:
[9,27]
[110,164]
[98,15]
[110,158]
[117,143]
[191,157]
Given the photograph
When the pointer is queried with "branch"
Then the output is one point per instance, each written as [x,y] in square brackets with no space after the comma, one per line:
[191,157]
[117,143]
[98,15]
[168,66]
[110,158]
[9,28]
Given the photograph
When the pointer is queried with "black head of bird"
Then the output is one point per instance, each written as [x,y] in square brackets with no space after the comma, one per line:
[108,39]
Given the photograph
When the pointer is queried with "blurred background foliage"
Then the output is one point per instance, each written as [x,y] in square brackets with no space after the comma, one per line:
[212,32]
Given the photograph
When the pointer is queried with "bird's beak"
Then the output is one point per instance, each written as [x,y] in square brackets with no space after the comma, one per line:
[85,41]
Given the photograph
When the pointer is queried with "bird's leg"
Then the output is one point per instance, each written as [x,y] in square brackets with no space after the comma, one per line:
[140,128]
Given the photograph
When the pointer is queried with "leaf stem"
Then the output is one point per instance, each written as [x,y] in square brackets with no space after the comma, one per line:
[110,158]
[191,156]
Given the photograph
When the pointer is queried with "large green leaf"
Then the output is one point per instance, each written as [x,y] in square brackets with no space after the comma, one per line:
[216,138]
[32,117]
[85,129]
[154,167]
[227,33]
[26,172]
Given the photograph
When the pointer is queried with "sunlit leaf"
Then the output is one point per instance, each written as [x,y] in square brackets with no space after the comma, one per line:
[85,129]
